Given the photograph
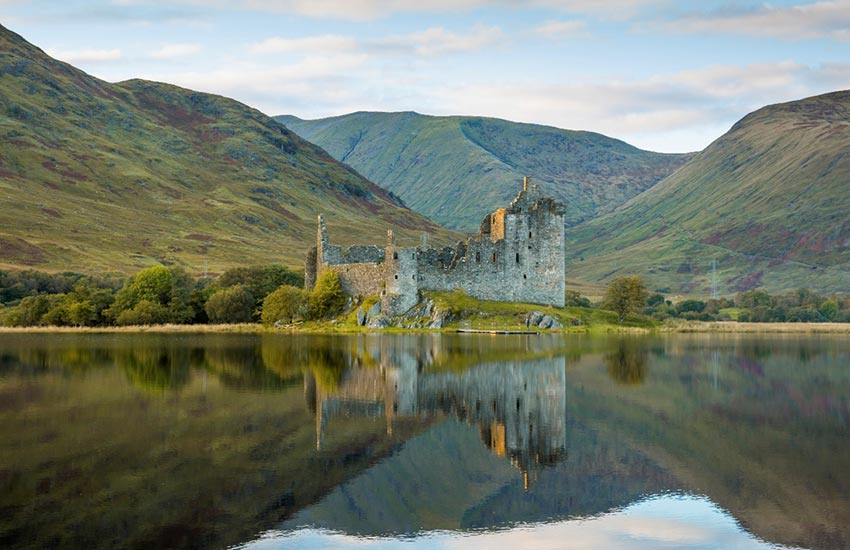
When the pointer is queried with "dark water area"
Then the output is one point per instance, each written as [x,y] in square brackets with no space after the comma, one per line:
[425,441]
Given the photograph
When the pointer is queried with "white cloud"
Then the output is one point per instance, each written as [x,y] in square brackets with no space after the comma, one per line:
[360,10]
[86,55]
[559,29]
[312,44]
[811,21]
[438,41]
[171,51]
[430,42]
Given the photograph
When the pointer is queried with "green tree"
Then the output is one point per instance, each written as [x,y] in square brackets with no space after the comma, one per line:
[327,298]
[233,304]
[287,303]
[829,309]
[145,312]
[32,310]
[260,280]
[696,306]
[154,293]
[625,296]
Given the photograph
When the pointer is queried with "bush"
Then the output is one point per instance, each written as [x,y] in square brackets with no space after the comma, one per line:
[234,304]
[145,312]
[327,298]
[574,299]
[287,303]
[696,306]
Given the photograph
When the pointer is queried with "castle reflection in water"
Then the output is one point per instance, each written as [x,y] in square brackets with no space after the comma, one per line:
[518,405]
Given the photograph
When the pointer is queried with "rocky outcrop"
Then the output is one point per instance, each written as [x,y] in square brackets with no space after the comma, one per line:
[541,320]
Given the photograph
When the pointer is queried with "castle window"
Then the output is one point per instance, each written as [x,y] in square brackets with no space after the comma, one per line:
[493,259]
[396,277]
[395,255]
[517,257]
[439,263]
[413,277]
[523,276]
[478,257]
[529,234]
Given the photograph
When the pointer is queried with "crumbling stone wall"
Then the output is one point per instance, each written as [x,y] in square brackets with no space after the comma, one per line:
[518,256]
[361,279]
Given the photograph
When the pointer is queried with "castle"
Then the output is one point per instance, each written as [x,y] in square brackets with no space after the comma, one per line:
[517,256]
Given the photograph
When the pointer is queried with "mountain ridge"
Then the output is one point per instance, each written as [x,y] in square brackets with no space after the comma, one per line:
[116,177]
[767,200]
[456,169]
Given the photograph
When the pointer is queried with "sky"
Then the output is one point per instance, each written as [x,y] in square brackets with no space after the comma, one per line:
[664,75]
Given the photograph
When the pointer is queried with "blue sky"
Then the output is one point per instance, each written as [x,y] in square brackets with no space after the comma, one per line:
[663,75]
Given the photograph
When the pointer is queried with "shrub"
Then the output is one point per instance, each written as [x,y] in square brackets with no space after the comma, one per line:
[574,299]
[327,298]
[145,312]
[287,303]
[234,304]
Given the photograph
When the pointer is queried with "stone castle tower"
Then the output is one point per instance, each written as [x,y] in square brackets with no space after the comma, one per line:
[518,255]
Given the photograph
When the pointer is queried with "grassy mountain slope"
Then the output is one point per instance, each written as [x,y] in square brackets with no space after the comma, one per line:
[457,169]
[99,176]
[768,200]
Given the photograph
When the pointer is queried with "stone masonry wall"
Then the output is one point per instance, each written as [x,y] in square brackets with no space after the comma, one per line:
[517,256]
[361,279]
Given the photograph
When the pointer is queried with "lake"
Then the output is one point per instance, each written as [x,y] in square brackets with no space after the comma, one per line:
[424,441]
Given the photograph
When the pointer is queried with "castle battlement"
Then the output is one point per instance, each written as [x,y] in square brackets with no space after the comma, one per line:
[518,255]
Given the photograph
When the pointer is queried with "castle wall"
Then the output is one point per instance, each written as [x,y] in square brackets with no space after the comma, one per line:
[361,279]
[402,281]
[517,256]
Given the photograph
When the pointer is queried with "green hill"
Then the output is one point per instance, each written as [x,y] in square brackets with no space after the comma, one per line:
[99,176]
[768,200]
[457,169]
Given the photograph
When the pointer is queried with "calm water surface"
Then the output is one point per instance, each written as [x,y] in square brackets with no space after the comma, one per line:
[424,441]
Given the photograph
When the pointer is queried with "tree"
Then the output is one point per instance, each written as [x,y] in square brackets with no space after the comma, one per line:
[625,296]
[154,293]
[327,298]
[260,280]
[696,306]
[234,304]
[287,303]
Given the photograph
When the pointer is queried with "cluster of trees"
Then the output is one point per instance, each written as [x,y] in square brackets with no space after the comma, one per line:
[757,306]
[161,294]
[629,296]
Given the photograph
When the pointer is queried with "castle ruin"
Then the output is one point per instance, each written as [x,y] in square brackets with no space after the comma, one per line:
[517,256]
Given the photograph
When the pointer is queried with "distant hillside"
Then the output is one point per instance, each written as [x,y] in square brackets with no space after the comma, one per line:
[99,176]
[768,200]
[457,169]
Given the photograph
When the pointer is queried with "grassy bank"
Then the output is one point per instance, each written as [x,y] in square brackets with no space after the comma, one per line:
[754,328]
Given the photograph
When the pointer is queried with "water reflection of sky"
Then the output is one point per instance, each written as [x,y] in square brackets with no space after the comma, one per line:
[663,521]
